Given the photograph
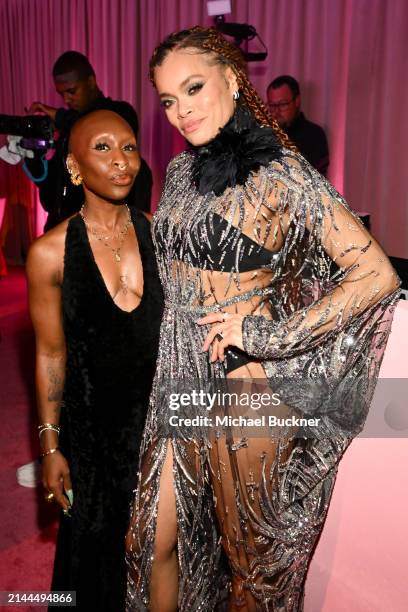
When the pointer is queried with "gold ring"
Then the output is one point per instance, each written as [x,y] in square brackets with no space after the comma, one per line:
[49,497]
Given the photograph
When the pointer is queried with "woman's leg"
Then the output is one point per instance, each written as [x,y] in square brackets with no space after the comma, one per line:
[152,536]
[164,577]
[173,507]
[268,517]
[252,527]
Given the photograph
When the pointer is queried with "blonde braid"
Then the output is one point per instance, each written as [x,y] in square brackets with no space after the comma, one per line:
[209,40]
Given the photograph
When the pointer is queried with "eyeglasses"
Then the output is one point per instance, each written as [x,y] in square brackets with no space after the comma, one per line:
[279,105]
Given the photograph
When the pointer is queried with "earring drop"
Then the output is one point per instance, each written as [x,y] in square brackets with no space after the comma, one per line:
[235,95]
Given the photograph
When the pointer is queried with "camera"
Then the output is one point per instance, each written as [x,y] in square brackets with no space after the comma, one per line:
[240,32]
[36,130]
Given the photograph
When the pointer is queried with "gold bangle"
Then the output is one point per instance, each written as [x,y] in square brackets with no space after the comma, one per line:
[48,427]
[44,426]
[50,451]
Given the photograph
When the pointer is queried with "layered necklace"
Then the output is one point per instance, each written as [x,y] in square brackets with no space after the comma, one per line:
[104,239]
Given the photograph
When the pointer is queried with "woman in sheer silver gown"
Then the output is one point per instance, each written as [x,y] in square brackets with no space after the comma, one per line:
[266,268]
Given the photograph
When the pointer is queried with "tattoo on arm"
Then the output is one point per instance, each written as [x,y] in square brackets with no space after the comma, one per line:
[55,384]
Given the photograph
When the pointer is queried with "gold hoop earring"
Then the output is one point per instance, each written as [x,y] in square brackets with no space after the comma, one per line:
[76,179]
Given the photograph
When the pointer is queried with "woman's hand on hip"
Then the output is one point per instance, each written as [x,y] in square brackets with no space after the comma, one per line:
[226,331]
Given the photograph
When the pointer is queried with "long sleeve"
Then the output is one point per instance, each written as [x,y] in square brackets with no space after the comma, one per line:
[364,277]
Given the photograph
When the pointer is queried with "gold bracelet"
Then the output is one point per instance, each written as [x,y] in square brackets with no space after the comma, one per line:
[48,426]
[50,451]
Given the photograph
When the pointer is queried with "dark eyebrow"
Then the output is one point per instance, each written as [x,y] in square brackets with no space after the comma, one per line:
[184,83]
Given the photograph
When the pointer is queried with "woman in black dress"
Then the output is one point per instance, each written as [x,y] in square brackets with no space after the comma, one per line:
[96,305]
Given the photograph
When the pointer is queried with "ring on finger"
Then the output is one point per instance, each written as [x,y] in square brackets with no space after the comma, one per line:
[220,336]
[49,497]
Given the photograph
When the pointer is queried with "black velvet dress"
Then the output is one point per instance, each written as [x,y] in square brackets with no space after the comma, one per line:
[111,358]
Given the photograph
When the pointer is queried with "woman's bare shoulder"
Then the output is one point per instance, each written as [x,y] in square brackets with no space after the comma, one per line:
[46,253]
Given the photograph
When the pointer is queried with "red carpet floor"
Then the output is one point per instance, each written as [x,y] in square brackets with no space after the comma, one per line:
[27,524]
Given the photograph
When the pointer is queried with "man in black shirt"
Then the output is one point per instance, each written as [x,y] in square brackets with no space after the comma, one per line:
[74,79]
[284,104]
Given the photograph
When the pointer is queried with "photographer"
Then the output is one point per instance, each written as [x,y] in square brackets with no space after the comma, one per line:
[75,81]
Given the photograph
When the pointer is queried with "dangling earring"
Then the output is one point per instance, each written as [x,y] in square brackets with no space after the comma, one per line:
[235,95]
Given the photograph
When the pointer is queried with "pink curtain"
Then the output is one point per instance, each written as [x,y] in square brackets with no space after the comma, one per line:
[350,57]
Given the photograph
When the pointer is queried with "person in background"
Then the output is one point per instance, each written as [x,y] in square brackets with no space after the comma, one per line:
[284,103]
[75,80]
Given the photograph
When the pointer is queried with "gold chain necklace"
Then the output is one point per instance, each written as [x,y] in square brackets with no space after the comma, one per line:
[104,239]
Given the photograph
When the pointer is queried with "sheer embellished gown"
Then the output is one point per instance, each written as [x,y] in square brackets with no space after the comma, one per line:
[281,247]
[111,355]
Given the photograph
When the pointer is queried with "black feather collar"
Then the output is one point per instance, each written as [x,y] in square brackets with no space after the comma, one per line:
[240,147]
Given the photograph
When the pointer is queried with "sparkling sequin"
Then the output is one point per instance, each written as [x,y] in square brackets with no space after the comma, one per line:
[306,319]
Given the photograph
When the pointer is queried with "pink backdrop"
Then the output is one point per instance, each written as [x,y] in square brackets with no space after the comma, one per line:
[350,57]
[352,61]
[360,562]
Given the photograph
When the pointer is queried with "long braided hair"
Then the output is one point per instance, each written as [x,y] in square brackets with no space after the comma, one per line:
[210,41]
